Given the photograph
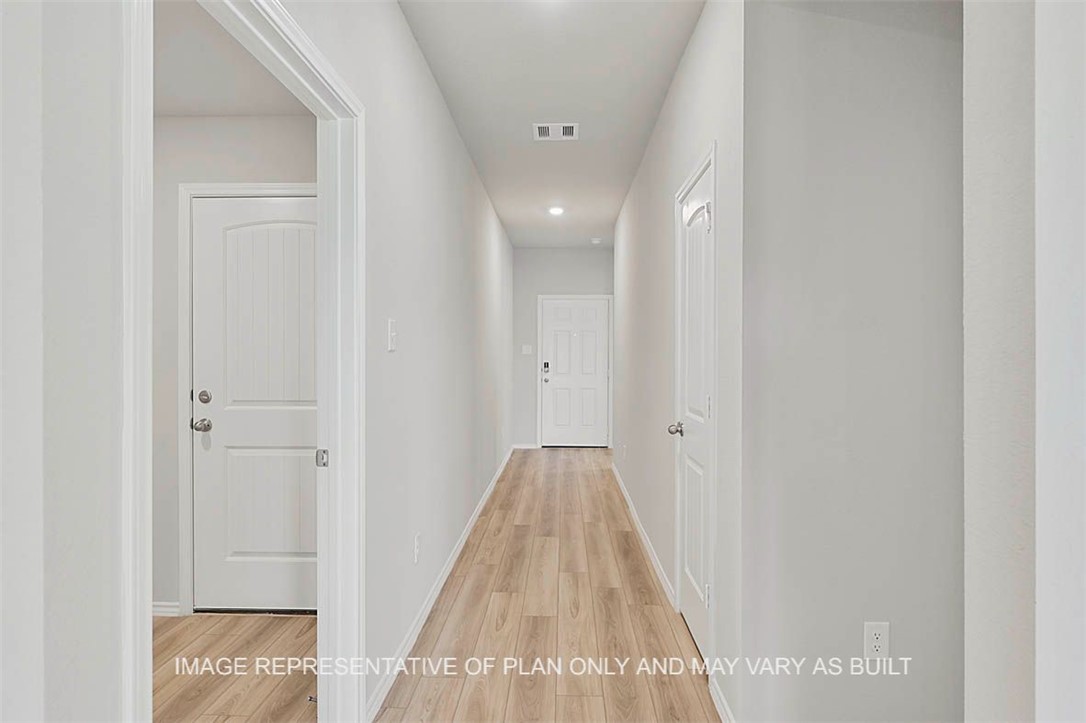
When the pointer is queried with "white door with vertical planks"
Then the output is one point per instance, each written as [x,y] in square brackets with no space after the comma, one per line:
[254,405]
[574,371]
[695,430]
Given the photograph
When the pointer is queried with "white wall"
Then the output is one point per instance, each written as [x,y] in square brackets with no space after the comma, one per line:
[21,452]
[188,149]
[546,271]
[852,455]
[438,261]
[61,104]
[704,105]
[839,202]
[1000,381]
[1061,363]
[81,358]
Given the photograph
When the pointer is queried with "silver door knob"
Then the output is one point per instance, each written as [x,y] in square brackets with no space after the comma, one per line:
[676,428]
[202,425]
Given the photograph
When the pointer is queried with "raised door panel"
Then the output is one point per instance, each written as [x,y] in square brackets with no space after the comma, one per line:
[270,343]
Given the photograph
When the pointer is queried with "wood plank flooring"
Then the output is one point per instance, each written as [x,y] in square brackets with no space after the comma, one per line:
[255,696]
[552,569]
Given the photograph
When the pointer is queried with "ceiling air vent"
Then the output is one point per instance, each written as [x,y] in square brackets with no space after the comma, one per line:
[555,131]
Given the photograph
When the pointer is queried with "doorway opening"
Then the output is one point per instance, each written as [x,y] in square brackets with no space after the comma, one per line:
[322,472]
[236,227]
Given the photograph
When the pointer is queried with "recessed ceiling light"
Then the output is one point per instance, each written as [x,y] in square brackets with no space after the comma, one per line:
[556,210]
[596,240]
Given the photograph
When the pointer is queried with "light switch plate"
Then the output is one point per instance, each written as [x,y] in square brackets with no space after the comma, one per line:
[392,335]
[526,349]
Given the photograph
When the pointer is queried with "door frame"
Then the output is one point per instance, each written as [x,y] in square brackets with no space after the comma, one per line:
[186,513]
[610,299]
[267,31]
[706,165]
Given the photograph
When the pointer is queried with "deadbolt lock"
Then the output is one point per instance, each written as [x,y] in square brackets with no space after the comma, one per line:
[204,396]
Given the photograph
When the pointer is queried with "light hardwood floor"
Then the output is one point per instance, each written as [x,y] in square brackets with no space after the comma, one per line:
[252,697]
[552,569]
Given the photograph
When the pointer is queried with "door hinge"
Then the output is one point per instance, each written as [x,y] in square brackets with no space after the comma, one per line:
[708,592]
[322,457]
[708,217]
[709,406]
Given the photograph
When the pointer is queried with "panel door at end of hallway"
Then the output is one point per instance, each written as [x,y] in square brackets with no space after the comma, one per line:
[574,372]
[695,371]
[254,403]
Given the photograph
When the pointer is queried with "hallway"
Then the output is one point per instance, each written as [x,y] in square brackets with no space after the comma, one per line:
[553,568]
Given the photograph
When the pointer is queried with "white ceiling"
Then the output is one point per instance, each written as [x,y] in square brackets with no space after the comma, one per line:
[504,65]
[201,70]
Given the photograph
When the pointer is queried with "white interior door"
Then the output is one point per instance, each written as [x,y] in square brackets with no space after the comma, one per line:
[695,430]
[254,383]
[574,372]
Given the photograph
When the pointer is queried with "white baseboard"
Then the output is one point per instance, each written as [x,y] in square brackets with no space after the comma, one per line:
[373,706]
[721,703]
[166,609]
[525,446]
[664,581]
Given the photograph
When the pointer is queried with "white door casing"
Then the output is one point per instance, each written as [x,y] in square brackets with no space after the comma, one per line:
[254,362]
[695,385]
[574,371]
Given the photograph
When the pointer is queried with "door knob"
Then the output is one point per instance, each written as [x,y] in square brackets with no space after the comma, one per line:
[202,425]
[676,428]
[545,380]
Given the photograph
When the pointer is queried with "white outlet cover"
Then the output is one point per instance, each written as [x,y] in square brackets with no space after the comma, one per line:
[876,640]
[526,349]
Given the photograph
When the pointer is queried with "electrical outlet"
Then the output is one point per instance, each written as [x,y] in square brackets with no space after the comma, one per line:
[416,548]
[876,640]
